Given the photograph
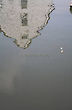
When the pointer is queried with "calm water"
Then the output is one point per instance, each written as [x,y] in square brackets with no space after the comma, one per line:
[39,77]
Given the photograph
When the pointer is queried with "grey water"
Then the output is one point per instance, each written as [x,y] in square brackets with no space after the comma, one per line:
[40,76]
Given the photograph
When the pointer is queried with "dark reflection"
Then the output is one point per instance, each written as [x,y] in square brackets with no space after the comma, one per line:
[71,10]
[22,19]
[0,28]
[1,4]
[23,4]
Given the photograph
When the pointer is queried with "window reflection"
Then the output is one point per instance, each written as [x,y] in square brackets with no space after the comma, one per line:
[24,20]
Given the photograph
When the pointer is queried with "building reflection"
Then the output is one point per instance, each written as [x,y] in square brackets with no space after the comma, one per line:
[22,19]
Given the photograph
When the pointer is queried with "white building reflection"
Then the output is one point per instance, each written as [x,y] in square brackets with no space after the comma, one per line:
[22,19]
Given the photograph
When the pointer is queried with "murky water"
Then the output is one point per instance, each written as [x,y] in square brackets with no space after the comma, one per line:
[40,76]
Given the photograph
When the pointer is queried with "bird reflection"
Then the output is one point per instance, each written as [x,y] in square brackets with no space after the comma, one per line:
[22,19]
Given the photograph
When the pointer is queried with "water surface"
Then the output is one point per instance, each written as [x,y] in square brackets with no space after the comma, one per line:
[39,77]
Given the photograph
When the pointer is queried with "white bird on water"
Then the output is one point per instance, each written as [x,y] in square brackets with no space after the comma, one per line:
[61,50]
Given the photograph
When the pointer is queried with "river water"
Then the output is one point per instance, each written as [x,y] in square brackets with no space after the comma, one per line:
[35,72]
